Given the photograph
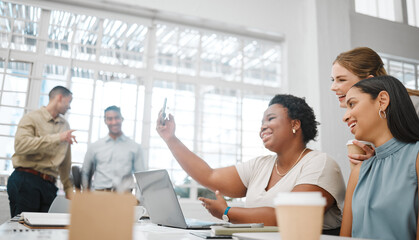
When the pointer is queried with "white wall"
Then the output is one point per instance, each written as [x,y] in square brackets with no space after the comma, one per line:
[333,21]
[385,36]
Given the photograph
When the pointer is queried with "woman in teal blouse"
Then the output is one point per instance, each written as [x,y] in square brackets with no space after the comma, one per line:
[382,195]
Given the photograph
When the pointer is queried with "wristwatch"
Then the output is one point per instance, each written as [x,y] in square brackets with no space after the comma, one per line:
[225,217]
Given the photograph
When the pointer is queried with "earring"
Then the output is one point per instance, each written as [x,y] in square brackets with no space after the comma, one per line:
[382,114]
[293,130]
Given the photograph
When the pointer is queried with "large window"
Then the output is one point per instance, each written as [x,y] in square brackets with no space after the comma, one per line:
[383,9]
[413,12]
[217,83]
[407,71]
[14,89]
[404,11]
[19,26]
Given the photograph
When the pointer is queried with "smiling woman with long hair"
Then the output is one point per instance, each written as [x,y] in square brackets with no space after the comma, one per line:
[381,200]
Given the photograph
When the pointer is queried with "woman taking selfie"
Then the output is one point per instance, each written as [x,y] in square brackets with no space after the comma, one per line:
[288,124]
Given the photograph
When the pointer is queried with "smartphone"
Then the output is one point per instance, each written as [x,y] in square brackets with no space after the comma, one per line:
[163,112]
[209,235]
[244,225]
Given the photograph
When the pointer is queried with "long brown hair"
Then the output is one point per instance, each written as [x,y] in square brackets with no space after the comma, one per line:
[362,62]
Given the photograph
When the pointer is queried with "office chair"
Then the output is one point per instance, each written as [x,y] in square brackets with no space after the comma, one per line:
[77,177]
[60,205]
[76,173]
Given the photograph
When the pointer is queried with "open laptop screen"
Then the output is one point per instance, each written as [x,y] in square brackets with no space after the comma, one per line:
[160,198]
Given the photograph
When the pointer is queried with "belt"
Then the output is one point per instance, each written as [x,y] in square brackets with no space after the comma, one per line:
[111,190]
[105,190]
[44,176]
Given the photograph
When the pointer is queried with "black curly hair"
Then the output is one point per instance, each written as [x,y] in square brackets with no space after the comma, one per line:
[299,109]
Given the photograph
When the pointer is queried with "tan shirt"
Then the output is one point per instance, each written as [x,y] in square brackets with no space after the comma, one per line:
[38,145]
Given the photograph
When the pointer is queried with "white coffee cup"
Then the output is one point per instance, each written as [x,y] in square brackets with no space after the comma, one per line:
[139,211]
[299,215]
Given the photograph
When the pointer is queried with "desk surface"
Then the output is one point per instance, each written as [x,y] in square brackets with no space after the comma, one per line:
[144,230]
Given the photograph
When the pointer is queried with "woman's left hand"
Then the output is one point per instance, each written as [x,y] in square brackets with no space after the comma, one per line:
[215,207]
[358,158]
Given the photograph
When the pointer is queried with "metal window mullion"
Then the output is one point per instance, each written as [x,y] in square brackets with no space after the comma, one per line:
[12,106]
[14,91]
[197,134]
[242,61]
[17,74]
[403,73]
[89,132]
[136,108]
[198,116]
[416,75]
[34,91]
[95,79]
[98,46]
[124,46]
[415,14]
[6,62]
[176,56]
[404,13]
[68,75]
[199,53]
[148,89]
[71,43]
[240,126]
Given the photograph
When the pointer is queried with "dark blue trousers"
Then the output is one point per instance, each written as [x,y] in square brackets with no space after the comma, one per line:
[29,193]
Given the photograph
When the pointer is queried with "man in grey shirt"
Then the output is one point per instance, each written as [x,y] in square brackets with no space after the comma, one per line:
[114,158]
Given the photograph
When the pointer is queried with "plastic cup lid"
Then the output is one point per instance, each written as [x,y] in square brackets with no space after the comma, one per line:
[300,198]
[364,142]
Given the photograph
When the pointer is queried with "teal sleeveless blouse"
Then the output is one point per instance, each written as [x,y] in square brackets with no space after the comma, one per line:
[385,200]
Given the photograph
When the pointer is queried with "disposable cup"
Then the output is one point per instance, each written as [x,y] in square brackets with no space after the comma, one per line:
[354,149]
[299,215]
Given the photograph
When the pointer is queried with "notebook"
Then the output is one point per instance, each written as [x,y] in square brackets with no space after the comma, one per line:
[161,201]
[45,220]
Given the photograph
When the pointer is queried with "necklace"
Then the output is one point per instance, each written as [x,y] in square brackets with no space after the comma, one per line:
[298,159]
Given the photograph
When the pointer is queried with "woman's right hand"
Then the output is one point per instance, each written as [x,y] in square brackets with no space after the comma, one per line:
[358,158]
[167,130]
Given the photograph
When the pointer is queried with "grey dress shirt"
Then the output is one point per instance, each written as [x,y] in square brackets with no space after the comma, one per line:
[112,160]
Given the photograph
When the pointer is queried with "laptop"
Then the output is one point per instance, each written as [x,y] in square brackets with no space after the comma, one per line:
[161,201]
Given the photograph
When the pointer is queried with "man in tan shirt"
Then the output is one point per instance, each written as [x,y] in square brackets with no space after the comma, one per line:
[42,152]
